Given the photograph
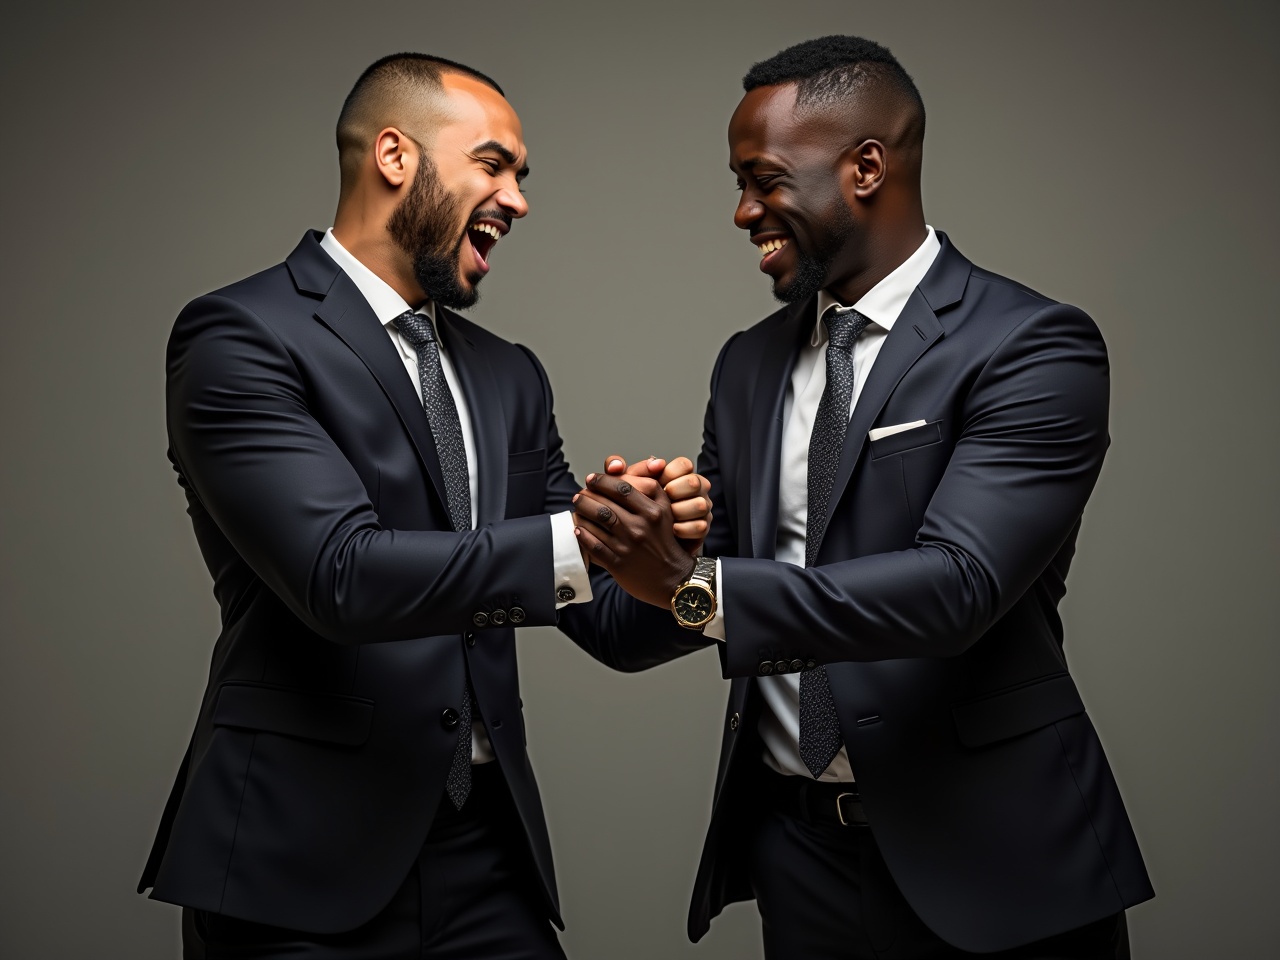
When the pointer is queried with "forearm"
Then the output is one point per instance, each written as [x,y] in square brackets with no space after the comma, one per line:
[1031,444]
[624,633]
[291,505]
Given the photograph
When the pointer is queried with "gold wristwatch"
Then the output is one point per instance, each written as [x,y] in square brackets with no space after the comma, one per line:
[694,602]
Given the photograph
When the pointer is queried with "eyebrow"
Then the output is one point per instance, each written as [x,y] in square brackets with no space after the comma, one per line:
[505,154]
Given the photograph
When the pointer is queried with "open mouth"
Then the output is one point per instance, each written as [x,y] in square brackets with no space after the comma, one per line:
[483,234]
[770,249]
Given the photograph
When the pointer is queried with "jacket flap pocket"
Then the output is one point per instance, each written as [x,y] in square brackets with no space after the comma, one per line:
[1012,713]
[328,717]
[526,461]
[906,440]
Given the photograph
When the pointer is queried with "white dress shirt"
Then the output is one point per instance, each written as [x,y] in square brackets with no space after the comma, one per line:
[568,566]
[780,718]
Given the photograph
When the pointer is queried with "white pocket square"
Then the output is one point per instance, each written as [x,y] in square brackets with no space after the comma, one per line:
[879,433]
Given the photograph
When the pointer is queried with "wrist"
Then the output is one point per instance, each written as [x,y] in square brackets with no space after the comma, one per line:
[685,570]
[694,602]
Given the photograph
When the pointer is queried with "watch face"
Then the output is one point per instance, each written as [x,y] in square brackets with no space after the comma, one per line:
[693,605]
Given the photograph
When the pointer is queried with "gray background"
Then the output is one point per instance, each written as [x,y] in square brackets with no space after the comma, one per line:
[1120,159]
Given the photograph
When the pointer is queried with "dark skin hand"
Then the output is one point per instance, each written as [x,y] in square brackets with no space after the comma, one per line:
[626,525]
[688,492]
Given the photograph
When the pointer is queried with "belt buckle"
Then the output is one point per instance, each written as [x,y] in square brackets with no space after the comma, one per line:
[840,809]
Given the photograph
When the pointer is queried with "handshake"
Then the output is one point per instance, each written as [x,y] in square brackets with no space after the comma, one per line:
[644,523]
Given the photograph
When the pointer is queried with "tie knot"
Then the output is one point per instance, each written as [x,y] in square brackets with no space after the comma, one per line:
[844,325]
[416,328]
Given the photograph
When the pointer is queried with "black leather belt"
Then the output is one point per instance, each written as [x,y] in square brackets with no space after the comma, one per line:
[827,804]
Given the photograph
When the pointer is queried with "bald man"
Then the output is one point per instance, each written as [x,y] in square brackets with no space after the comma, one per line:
[902,455]
[378,490]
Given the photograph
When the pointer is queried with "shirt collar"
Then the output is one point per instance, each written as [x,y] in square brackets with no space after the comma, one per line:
[386,303]
[884,302]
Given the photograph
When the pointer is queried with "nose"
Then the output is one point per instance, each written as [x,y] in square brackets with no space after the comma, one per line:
[749,211]
[512,201]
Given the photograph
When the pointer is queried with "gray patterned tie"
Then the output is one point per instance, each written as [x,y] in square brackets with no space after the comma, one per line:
[446,430]
[820,738]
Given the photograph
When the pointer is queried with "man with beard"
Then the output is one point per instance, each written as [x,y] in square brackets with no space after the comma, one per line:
[378,490]
[901,457]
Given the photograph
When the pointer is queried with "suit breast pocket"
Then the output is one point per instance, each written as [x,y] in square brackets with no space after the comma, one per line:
[913,462]
[526,482]
[907,440]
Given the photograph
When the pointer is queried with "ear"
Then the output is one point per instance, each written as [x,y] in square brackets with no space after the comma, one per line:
[863,170]
[395,155]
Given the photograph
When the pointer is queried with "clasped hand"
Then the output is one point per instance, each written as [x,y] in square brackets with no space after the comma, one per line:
[644,523]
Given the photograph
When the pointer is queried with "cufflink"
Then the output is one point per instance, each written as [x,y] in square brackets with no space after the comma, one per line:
[565,594]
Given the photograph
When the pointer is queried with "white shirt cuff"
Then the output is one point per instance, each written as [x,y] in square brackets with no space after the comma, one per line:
[715,629]
[570,568]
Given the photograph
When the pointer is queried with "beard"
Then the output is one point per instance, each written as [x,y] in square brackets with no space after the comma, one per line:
[423,225]
[814,266]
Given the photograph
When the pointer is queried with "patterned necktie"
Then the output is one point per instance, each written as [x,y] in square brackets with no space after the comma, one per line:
[820,738]
[446,430]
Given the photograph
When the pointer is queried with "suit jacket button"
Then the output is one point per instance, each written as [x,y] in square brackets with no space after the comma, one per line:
[734,721]
[782,666]
[797,666]
[811,665]
[449,719]
[498,617]
[480,618]
[516,614]
[471,639]
[766,668]
[565,594]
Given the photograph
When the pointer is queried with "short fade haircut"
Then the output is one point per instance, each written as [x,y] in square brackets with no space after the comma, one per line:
[830,71]
[375,99]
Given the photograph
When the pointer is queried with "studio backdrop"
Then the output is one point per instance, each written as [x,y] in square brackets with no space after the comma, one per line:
[1115,156]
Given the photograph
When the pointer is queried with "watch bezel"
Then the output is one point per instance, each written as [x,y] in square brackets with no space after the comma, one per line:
[693,585]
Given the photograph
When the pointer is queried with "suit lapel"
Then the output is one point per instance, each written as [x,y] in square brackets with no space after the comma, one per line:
[915,331]
[345,311]
[488,425]
[769,392]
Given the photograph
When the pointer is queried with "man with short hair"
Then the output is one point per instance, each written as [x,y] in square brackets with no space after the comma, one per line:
[378,489]
[901,457]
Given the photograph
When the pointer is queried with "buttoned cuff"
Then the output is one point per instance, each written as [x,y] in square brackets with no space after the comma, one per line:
[715,629]
[572,581]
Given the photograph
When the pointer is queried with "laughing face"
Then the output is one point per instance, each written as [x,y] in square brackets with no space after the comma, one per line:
[792,202]
[464,195]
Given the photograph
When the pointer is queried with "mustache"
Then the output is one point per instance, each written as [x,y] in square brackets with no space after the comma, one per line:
[497,213]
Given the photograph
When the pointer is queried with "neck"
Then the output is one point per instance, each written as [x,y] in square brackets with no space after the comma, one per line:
[366,238]
[888,248]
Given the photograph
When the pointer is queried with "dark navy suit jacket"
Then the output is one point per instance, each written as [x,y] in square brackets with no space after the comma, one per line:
[933,604]
[349,605]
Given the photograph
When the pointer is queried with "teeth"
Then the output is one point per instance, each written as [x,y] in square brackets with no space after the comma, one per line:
[489,229]
[769,246]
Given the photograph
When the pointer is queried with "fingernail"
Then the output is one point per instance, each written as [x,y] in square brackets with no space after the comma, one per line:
[616,463]
[577,531]
[591,478]
[575,498]
[654,459]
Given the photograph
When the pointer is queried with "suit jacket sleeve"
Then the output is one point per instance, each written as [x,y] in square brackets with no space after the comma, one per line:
[1028,455]
[288,501]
